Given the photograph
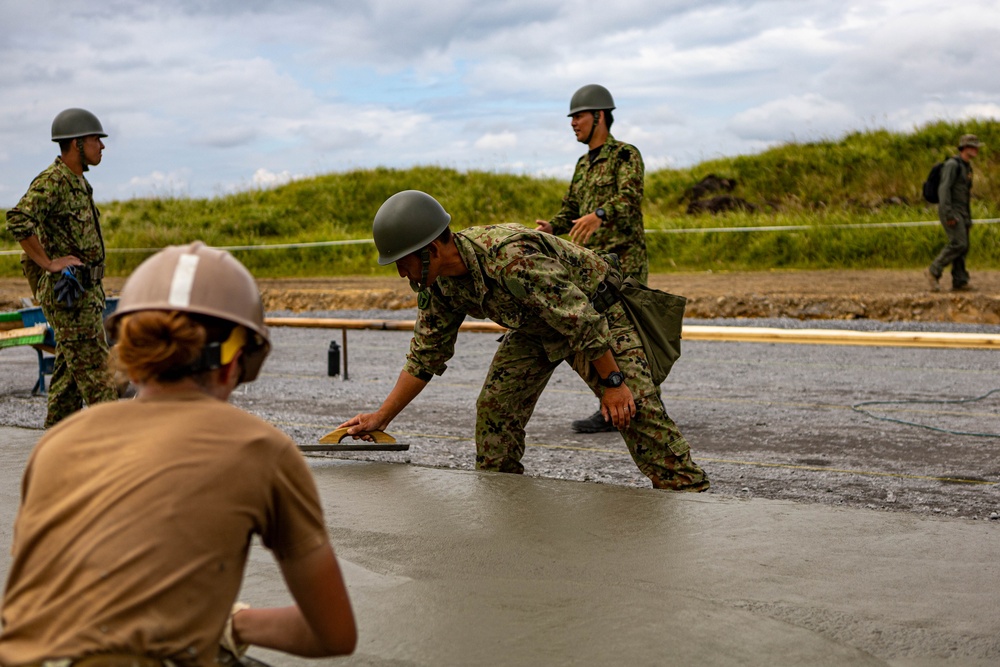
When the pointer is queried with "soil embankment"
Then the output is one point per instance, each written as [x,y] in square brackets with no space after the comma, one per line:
[888,295]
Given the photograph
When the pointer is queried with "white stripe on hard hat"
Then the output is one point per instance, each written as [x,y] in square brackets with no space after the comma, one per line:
[183,281]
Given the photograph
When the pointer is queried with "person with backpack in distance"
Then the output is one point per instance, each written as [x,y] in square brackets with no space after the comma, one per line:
[954,191]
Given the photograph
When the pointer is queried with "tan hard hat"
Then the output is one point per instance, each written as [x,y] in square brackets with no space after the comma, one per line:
[201,280]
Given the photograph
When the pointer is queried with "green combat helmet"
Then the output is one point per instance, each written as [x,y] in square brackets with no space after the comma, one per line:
[407,222]
[76,123]
[591,97]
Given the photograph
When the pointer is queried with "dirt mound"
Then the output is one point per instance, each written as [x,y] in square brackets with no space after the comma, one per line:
[886,295]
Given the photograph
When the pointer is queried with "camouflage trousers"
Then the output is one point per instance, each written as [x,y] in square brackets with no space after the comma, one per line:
[520,371]
[954,253]
[80,370]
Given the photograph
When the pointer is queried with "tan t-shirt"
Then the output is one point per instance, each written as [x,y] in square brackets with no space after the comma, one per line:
[135,523]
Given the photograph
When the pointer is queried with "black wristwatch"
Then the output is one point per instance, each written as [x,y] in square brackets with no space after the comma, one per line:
[614,379]
[601,213]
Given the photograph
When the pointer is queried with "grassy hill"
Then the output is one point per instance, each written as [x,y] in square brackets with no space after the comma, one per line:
[865,177]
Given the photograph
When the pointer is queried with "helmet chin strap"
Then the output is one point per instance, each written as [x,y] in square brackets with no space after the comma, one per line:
[593,127]
[425,267]
[83,156]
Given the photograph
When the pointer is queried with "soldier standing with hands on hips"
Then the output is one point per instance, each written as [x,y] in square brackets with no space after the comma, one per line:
[603,208]
[58,226]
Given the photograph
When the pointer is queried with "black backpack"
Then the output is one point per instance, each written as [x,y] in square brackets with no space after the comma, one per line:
[932,183]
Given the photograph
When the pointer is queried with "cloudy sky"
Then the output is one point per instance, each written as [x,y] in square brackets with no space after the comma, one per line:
[204,97]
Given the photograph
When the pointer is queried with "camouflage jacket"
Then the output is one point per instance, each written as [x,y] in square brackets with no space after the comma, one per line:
[59,209]
[614,182]
[535,283]
[955,191]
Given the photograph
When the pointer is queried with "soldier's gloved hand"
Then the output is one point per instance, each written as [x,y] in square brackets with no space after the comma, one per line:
[228,639]
[68,289]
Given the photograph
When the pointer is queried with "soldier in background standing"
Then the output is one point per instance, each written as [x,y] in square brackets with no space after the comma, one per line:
[954,195]
[58,226]
[603,208]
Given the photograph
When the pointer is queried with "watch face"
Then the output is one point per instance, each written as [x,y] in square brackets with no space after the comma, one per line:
[600,213]
[614,379]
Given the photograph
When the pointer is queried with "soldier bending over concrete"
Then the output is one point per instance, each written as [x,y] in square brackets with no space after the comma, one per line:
[541,288]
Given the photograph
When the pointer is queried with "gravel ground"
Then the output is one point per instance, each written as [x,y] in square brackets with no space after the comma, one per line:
[764,420]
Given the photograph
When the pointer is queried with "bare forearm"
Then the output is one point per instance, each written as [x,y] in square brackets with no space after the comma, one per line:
[322,622]
[406,389]
[285,629]
[605,364]
[32,247]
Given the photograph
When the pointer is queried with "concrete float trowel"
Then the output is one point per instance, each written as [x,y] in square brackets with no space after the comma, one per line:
[331,443]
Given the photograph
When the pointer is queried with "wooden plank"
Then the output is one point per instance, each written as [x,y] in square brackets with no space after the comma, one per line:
[24,336]
[709,333]
[923,339]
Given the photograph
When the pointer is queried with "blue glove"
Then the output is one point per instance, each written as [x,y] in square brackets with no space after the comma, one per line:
[68,289]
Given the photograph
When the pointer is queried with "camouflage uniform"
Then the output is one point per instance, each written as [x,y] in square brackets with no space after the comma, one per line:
[538,286]
[59,209]
[613,181]
[954,195]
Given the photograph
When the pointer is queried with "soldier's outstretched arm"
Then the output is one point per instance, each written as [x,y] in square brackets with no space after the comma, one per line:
[407,388]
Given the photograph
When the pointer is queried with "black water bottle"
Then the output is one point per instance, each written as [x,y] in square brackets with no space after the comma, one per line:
[333,359]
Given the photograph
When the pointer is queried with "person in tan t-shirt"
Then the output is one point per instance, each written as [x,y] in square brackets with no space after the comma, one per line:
[136,516]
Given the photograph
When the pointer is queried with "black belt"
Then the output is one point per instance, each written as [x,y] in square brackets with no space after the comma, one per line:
[89,276]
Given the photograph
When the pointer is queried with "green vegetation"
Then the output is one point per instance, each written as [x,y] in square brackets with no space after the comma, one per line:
[866,177]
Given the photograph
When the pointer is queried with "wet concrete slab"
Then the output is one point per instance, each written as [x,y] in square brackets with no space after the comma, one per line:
[450,567]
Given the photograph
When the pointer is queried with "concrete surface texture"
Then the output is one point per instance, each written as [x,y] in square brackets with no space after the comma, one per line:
[453,567]
[764,420]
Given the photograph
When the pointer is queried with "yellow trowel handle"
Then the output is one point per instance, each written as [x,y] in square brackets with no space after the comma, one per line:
[334,437]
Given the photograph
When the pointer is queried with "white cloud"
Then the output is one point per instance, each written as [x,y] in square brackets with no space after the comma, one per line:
[263,178]
[808,116]
[496,141]
[158,184]
[196,96]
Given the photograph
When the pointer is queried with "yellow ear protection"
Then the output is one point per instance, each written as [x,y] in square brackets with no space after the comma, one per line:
[217,355]
[213,355]
[237,341]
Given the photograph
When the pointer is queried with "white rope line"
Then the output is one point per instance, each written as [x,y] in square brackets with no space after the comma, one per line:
[263,246]
[803,228]
[686,230]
